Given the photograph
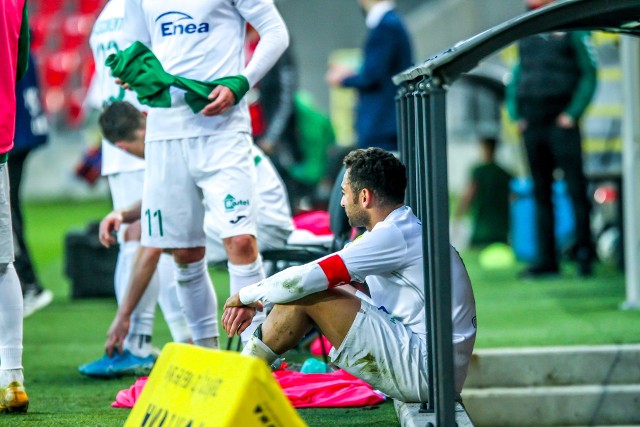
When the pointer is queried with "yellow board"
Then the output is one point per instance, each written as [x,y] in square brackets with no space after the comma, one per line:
[197,387]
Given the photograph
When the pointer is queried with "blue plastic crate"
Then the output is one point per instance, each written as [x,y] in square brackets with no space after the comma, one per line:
[523,224]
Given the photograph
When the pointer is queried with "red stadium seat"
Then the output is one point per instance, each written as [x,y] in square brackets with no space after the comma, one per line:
[88,69]
[76,30]
[90,6]
[44,31]
[59,66]
[47,7]
[74,110]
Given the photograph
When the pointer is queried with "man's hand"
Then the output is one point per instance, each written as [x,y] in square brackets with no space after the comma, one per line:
[336,74]
[222,98]
[122,84]
[110,223]
[117,333]
[565,121]
[237,319]
[237,316]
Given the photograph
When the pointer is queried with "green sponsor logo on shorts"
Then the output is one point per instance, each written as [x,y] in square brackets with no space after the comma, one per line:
[230,203]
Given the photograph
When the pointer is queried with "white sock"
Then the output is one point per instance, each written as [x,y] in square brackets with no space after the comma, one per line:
[138,341]
[11,309]
[198,299]
[126,255]
[7,376]
[255,347]
[138,344]
[245,275]
[169,302]
[207,342]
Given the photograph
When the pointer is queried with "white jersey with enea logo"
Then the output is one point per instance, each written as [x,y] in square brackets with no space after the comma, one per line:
[107,38]
[204,40]
[389,259]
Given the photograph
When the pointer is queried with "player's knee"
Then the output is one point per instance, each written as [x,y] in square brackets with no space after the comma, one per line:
[241,248]
[188,255]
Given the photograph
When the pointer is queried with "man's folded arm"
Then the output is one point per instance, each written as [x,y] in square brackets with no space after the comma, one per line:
[298,281]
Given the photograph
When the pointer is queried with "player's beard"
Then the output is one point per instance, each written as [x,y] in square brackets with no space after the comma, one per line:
[358,217]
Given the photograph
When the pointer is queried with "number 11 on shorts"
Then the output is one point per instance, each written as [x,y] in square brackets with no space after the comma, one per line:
[150,217]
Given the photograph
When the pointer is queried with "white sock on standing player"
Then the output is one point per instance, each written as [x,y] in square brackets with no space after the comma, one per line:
[10,321]
[138,341]
[245,275]
[169,302]
[198,299]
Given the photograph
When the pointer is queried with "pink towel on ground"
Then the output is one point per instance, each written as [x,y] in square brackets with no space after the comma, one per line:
[334,390]
[127,398]
[337,389]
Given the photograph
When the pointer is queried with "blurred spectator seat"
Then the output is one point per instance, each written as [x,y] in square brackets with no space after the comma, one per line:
[60,38]
[76,30]
[87,71]
[42,26]
[59,66]
[90,6]
[48,7]
[74,109]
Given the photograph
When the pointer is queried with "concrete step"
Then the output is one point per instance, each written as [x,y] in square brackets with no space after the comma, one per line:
[549,386]
[555,366]
[409,415]
[586,405]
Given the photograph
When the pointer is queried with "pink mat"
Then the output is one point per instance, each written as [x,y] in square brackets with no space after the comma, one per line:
[337,389]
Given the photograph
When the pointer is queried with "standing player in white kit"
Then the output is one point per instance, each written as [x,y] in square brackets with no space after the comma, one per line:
[125,173]
[206,156]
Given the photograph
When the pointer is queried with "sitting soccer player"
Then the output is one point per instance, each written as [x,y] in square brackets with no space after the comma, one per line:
[124,125]
[382,338]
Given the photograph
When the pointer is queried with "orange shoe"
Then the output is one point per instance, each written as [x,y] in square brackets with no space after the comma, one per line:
[13,398]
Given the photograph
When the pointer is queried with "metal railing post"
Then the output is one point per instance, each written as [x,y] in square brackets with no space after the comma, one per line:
[423,137]
[437,191]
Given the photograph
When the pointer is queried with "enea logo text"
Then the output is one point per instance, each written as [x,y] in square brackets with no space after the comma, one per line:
[176,23]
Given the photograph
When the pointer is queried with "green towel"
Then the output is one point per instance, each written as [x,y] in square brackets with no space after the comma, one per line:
[141,70]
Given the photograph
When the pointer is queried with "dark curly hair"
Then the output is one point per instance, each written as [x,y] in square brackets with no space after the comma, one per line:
[379,171]
[119,121]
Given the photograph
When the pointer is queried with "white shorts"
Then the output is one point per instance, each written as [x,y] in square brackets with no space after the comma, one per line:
[6,230]
[386,354]
[126,189]
[181,174]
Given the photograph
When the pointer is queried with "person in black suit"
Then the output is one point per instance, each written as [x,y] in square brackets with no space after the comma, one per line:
[387,52]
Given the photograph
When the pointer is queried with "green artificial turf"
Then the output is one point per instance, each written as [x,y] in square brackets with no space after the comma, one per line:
[511,313]
[569,310]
